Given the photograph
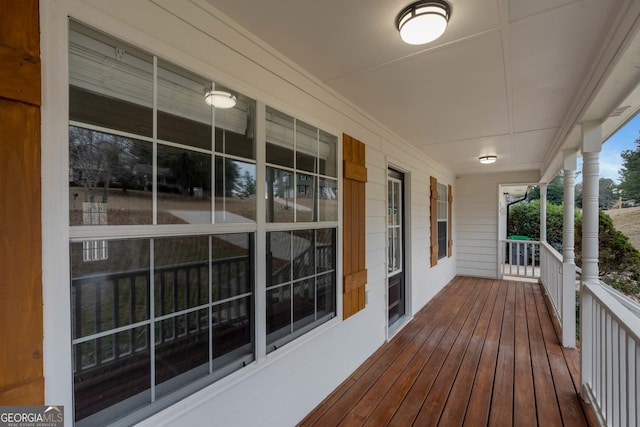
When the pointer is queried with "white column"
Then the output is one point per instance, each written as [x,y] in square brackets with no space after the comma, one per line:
[543,212]
[568,308]
[591,146]
[568,228]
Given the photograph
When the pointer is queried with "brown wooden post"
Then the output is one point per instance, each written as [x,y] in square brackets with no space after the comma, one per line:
[21,328]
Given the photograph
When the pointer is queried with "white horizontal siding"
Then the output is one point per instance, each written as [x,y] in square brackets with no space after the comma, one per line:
[476,218]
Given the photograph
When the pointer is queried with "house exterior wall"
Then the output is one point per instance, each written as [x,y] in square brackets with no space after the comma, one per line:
[476,215]
[282,387]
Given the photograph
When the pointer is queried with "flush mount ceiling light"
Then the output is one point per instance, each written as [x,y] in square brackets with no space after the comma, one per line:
[486,160]
[219,98]
[423,21]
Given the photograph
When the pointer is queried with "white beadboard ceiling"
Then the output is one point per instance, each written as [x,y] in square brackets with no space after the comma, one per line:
[503,79]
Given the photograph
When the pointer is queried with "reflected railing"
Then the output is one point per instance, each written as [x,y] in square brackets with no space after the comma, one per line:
[191,328]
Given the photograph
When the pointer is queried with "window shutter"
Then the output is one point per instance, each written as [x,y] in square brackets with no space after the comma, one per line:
[434,221]
[354,216]
[449,222]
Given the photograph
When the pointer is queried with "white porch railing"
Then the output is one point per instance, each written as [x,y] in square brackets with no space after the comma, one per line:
[559,280]
[520,258]
[551,275]
[610,338]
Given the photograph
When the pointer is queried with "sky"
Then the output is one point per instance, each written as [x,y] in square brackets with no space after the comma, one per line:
[624,139]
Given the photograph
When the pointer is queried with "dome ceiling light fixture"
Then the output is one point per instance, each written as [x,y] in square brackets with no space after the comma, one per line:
[487,160]
[219,98]
[423,21]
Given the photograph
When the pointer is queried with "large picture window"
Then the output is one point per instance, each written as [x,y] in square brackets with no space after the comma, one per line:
[160,312]
[163,216]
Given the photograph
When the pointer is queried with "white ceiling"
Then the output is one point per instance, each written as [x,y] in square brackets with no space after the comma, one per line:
[501,80]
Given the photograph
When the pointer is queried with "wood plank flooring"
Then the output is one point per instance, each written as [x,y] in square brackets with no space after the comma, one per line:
[482,352]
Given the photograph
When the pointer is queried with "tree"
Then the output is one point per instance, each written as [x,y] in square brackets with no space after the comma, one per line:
[555,191]
[608,193]
[248,187]
[630,172]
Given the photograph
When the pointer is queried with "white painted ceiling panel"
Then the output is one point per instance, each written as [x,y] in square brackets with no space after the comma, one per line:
[504,76]
[461,84]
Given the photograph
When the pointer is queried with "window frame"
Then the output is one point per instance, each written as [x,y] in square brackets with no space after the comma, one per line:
[436,202]
[259,229]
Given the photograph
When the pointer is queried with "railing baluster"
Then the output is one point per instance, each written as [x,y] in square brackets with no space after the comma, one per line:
[176,296]
[625,375]
[615,368]
[614,359]
[132,313]
[78,318]
[116,317]
[98,320]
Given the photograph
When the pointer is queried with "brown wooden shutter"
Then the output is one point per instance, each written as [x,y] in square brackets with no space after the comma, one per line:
[449,222]
[354,216]
[21,327]
[434,220]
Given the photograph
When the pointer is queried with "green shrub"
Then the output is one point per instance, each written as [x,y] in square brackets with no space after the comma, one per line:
[617,254]
[524,220]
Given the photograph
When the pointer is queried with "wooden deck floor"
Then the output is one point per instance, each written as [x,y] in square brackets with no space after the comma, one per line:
[482,352]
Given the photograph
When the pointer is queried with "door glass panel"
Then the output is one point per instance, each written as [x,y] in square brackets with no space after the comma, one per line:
[395,281]
[396,249]
[396,203]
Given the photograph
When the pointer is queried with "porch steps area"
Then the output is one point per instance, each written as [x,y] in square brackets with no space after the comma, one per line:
[482,352]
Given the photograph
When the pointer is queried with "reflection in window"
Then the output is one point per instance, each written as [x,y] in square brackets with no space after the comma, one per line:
[300,283]
[306,147]
[201,288]
[328,203]
[299,150]
[110,83]
[306,203]
[105,295]
[280,138]
[111,145]
[235,191]
[280,195]
[184,186]
[182,116]
[110,179]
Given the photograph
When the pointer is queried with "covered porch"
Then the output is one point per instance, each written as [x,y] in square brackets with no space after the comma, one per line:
[482,352]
